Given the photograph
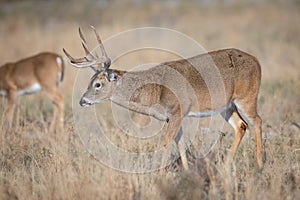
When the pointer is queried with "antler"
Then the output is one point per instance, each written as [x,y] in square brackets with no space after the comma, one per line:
[90,60]
[107,60]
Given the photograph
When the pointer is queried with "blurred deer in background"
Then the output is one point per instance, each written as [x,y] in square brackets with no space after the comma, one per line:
[44,71]
[239,72]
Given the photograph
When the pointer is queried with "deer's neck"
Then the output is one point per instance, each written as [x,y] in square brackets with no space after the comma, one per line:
[123,91]
[128,94]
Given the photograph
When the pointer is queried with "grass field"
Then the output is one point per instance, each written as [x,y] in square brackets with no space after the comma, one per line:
[35,164]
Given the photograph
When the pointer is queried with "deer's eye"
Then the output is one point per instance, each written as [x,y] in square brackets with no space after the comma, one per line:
[98,85]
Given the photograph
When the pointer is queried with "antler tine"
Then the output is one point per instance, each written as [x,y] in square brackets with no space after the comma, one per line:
[85,46]
[80,62]
[107,61]
[81,35]
[100,42]
[74,60]
[91,59]
[86,50]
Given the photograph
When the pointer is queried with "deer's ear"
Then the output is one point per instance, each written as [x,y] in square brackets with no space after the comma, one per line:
[113,76]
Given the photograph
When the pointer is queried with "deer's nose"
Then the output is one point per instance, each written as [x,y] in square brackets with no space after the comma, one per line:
[85,102]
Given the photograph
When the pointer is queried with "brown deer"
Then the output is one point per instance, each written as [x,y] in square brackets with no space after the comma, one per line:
[44,71]
[184,88]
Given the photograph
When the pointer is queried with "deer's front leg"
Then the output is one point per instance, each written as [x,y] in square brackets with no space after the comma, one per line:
[173,129]
[181,147]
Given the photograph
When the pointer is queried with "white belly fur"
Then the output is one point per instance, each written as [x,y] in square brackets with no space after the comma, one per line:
[209,113]
[34,88]
[204,114]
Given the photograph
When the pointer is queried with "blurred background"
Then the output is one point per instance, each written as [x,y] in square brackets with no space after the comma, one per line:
[267,29]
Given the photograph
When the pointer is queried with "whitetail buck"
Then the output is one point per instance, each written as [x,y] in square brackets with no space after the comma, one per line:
[44,71]
[239,72]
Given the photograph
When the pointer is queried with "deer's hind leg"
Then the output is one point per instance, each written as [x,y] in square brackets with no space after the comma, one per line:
[173,130]
[239,125]
[249,109]
[58,111]
[11,96]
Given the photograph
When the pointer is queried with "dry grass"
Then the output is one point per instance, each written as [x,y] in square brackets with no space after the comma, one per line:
[35,164]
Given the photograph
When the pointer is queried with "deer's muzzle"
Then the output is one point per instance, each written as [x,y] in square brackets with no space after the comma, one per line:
[85,102]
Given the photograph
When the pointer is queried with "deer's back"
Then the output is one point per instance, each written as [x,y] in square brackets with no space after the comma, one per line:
[217,77]
[28,71]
